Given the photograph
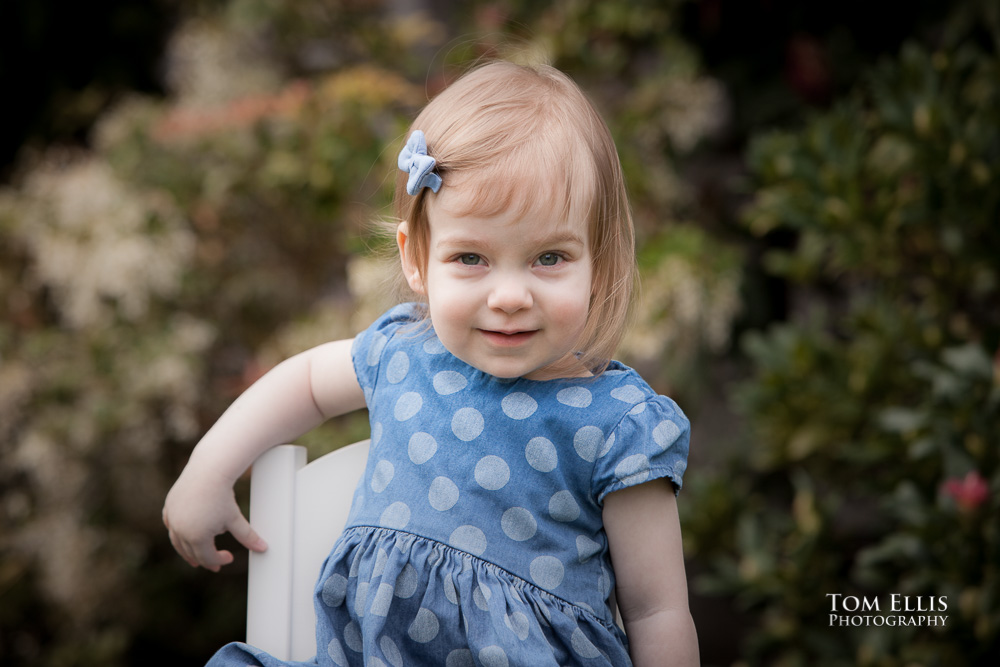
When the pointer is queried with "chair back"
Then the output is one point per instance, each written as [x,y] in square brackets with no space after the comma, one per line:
[300,510]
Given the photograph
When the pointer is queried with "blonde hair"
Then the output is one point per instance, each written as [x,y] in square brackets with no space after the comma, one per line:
[520,136]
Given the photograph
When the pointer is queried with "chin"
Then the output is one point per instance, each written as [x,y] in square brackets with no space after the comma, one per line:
[506,373]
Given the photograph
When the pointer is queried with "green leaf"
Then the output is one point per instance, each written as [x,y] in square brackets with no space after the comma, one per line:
[969,360]
[901,420]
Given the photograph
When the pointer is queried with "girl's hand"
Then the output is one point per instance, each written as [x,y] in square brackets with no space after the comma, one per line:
[295,396]
[200,506]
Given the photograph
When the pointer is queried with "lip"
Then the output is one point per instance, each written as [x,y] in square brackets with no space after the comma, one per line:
[508,338]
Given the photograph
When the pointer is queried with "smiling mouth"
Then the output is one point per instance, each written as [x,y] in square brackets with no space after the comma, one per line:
[507,338]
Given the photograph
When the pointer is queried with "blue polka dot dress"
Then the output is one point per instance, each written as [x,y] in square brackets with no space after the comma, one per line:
[475,537]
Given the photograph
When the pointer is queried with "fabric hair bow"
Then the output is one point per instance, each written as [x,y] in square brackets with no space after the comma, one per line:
[415,161]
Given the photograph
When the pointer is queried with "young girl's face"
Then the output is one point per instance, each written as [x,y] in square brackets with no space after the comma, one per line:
[508,294]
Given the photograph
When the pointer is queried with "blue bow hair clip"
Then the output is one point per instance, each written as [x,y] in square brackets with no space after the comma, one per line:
[414,160]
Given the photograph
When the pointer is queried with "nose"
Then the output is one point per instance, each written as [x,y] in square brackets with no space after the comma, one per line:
[510,295]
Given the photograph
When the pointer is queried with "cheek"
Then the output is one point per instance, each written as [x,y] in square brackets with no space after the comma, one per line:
[576,316]
[447,301]
[570,306]
[581,296]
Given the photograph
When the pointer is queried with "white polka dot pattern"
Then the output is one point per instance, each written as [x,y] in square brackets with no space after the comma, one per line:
[399,365]
[586,548]
[547,571]
[587,442]
[493,656]
[541,454]
[383,474]
[575,397]
[506,478]
[582,646]
[460,657]
[468,538]
[633,469]
[492,473]
[518,405]
[334,590]
[336,653]
[375,348]
[382,600]
[628,393]
[397,515]
[391,651]
[352,636]
[407,406]
[406,584]
[449,382]
[665,433]
[563,507]
[425,626]
[518,524]
[422,447]
[467,424]
[443,494]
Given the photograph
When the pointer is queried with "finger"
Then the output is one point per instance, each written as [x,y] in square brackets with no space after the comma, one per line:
[180,548]
[186,555]
[189,556]
[246,535]
[207,556]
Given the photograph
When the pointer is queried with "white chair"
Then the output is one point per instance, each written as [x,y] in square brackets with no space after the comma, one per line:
[300,510]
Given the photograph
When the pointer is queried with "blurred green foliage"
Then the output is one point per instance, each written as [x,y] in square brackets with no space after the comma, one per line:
[148,281]
[872,460]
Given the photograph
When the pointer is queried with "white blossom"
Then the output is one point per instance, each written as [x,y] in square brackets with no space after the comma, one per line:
[101,246]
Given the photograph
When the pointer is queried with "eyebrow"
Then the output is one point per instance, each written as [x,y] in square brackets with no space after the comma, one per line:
[558,238]
[564,237]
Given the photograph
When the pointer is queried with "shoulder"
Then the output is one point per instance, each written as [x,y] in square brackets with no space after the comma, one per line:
[399,316]
[405,321]
[388,324]
[634,399]
[650,437]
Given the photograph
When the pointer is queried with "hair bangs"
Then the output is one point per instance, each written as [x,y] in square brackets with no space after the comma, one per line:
[547,177]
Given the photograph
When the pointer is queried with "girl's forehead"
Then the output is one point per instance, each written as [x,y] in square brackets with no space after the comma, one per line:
[470,209]
[539,197]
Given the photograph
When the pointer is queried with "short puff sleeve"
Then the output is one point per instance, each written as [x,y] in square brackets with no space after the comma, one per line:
[369,345]
[651,441]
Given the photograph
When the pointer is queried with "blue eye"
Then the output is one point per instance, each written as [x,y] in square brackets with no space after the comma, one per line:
[470,259]
[549,259]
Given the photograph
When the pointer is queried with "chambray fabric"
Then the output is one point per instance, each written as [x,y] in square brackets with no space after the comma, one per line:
[475,535]
[414,160]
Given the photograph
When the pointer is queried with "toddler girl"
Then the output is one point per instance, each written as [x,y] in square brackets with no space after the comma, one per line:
[512,463]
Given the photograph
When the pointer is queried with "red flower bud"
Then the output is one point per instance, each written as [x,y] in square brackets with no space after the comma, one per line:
[969,492]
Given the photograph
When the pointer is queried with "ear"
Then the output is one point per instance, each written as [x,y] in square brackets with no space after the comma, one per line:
[411,271]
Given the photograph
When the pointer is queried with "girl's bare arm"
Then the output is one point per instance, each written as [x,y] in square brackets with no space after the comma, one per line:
[294,397]
[644,536]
